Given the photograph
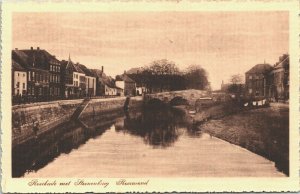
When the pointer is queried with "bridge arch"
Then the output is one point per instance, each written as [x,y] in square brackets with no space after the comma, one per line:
[178,100]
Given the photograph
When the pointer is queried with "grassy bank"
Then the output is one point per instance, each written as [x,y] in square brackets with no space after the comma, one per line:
[264,131]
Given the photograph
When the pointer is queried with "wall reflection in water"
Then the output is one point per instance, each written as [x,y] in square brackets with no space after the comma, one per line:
[159,128]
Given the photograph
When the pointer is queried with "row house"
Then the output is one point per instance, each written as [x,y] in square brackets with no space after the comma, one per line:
[90,81]
[19,82]
[37,64]
[73,78]
[127,84]
[105,85]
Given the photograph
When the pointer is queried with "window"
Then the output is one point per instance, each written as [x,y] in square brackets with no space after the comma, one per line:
[33,77]
[250,91]
[29,76]
[29,90]
[18,84]
[32,90]
[23,86]
[23,74]
[18,75]
[58,78]
[250,76]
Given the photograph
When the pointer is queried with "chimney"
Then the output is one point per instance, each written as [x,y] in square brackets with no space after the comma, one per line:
[124,71]
[31,48]
[16,49]
[38,48]
[102,69]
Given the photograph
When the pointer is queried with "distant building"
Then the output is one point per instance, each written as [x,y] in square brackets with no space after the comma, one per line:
[110,90]
[257,80]
[90,81]
[73,79]
[19,82]
[127,84]
[105,85]
[224,87]
[279,79]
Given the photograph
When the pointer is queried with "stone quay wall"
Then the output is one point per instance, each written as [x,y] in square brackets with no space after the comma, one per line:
[48,115]
[98,106]
[44,114]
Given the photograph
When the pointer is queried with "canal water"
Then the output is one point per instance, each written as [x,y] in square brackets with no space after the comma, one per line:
[157,143]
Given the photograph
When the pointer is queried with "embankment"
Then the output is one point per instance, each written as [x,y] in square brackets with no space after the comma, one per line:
[99,106]
[45,114]
[264,131]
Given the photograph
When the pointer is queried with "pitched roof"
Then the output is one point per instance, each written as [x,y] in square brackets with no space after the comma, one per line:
[16,66]
[124,78]
[77,68]
[88,72]
[39,56]
[260,68]
[20,57]
[134,70]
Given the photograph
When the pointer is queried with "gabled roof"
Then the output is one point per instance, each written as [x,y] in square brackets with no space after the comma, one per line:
[260,68]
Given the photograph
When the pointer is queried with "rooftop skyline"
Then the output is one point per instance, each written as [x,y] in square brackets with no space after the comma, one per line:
[223,43]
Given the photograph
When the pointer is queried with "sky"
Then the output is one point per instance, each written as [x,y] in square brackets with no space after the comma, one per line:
[223,43]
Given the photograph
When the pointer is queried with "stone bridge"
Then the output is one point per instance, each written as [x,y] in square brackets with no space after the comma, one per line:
[190,95]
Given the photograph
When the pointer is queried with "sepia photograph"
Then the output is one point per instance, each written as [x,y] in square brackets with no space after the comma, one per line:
[139,94]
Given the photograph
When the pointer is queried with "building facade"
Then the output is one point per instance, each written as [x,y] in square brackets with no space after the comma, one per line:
[19,82]
[272,82]
[36,63]
[279,79]
[127,84]
[256,80]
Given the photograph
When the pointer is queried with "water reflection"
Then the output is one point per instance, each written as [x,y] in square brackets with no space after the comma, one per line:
[159,128]
[33,155]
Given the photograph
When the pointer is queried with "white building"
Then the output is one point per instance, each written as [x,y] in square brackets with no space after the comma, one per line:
[110,90]
[19,79]
[90,85]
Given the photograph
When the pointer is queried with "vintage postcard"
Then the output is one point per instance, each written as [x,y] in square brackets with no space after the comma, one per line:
[150,96]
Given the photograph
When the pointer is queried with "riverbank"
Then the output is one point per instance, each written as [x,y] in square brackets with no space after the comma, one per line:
[264,131]
[32,120]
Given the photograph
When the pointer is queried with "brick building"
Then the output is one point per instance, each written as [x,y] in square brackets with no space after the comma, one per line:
[257,79]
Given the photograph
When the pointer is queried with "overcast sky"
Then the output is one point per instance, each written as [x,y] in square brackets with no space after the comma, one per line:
[224,43]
